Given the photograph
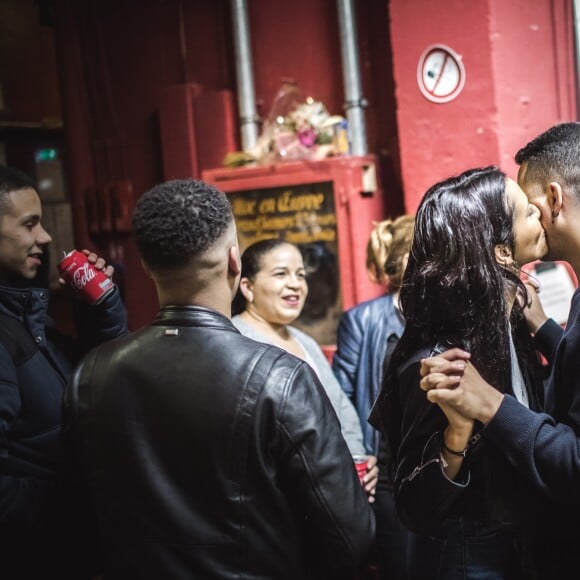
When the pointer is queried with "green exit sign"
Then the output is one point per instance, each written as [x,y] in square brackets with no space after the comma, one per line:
[48,154]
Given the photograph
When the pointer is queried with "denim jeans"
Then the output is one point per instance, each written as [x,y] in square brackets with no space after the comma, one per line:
[391,537]
[463,549]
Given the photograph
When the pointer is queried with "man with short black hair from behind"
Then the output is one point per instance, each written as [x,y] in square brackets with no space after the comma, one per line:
[44,531]
[210,455]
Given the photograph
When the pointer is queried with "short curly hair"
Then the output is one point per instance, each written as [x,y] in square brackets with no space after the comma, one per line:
[178,220]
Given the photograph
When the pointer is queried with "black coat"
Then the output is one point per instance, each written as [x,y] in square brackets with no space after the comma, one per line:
[545,448]
[35,494]
[213,456]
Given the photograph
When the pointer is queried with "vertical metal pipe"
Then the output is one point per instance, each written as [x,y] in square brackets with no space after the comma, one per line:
[355,103]
[246,98]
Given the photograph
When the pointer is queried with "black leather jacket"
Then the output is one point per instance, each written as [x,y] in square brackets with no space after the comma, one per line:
[214,456]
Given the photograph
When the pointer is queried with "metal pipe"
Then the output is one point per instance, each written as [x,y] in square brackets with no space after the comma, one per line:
[354,103]
[246,98]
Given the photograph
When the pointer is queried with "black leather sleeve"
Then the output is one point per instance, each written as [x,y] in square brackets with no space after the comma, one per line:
[423,493]
[319,473]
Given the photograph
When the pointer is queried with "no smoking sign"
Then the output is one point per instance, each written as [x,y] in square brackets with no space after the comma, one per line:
[440,74]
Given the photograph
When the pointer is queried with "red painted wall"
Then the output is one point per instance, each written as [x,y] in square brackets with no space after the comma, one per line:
[518,58]
[116,60]
[535,85]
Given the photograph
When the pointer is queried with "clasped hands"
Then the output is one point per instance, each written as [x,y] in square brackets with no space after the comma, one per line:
[451,381]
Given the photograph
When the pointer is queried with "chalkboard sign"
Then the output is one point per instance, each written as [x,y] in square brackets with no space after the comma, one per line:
[304,215]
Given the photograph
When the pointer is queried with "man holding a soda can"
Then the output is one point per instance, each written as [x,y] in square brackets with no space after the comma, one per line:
[210,455]
[41,522]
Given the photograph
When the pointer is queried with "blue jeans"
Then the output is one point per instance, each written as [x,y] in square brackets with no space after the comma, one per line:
[464,549]
[391,537]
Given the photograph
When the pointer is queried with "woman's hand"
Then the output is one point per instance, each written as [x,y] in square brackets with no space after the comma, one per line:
[450,380]
[371,478]
[533,310]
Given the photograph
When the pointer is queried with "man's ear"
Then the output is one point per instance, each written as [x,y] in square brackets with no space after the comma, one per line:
[234,262]
[556,197]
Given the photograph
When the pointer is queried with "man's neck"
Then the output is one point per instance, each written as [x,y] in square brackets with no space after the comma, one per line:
[569,242]
[214,300]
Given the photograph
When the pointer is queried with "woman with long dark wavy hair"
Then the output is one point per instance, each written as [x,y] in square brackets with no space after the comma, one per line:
[473,516]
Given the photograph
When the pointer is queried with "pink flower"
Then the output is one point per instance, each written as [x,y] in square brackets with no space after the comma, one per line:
[307,137]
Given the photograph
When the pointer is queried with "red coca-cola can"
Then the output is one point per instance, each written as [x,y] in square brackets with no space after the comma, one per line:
[360,462]
[91,284]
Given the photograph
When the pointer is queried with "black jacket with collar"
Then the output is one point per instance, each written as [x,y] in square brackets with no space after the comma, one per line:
[213,456]
[34,495]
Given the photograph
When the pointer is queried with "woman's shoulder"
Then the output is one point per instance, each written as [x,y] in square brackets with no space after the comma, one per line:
[414,358]
[248,330]
[421,351]
[309,344]
[380,304]
[238,323]
[372,321]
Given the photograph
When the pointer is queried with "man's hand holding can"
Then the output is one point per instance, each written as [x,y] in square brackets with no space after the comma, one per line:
[87,275]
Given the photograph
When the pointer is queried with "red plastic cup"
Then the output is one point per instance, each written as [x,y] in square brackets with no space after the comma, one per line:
[360,462]
[92,285]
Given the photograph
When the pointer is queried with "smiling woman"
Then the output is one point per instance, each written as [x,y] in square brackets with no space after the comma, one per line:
[273,290]
[270,298]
